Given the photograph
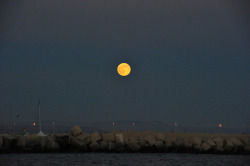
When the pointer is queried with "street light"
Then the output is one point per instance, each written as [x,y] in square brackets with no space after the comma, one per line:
[53,127]
[220,127]
[34,127]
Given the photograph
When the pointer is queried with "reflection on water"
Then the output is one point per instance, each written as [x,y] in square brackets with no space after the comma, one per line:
[123,159]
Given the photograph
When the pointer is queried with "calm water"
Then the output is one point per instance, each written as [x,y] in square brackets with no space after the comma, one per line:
[123,159]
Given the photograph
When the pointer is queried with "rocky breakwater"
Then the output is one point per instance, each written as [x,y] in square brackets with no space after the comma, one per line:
[78,141]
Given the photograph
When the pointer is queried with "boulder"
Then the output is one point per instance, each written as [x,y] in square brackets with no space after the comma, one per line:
[134,146]
[112,146]
[94,146]
[119,138]
[205,147]
[195,141]
[169,142]
[236,142]
[78,145]
[108,137]
[247,149]
[197,148]
[86,138]
[9,141]
[75,131]
[159,146]
[150,140]
[21,142]
[159,137]
[104,145]
[53,146]
[95,137]
[245,141]
[228,145]
[187,143]
[119,147]
[178,142]
[34,141]
[219,142]
[219,149]
[62,140]
[211,143]
[1,142]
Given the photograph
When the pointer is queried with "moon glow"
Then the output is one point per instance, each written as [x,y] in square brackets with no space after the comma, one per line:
[123,69]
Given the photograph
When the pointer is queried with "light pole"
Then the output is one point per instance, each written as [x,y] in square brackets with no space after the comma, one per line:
[39,121]
[220,127]
[207,123]
[113,124]
[133,126]
[34,127]
[53,127]
[176,125]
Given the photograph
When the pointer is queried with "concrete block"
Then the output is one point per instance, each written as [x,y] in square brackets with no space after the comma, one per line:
[108,137]
[75,131]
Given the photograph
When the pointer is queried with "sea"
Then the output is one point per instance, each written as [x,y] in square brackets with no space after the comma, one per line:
[122,159]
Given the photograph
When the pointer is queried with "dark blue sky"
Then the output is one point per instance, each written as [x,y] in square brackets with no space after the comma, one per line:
[188,59]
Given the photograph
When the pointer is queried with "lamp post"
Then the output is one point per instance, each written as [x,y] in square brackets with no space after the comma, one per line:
[207,123]
[133,126]
[53,127]
[176,125]
[220,127]
[34,127]
[39,121]
[113,124]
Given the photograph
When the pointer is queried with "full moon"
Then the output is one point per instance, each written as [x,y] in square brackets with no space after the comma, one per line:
[123,69]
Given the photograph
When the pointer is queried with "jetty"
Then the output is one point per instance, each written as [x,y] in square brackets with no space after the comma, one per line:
[143,142]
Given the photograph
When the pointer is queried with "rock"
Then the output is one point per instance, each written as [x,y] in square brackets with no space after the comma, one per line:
[211,143]
[112,146]
[197,148]
[187,143]
[219,149]
[36,141]
[75,131]
[228,145]
[134,146]
[245,141]
[85,138]
[104,145]
[159,137]
[247,149]
[236,142]
[108,137]
[150,140]
[9,141]
[178,142]
[119,147]
[119,138]
[159,146]
[142,142]
[169,142]
[94,146]
[205,147]
[21,142]
[62,140]
[95,137]
[1,142]
[219,142]
[53,146]
[78,145]
[195,141]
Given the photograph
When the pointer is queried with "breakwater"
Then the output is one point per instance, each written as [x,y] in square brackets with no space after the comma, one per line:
[78,141]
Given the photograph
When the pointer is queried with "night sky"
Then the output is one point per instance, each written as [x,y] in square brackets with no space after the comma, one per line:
[189,59]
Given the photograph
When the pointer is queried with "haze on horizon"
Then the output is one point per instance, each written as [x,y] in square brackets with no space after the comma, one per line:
[188,59]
